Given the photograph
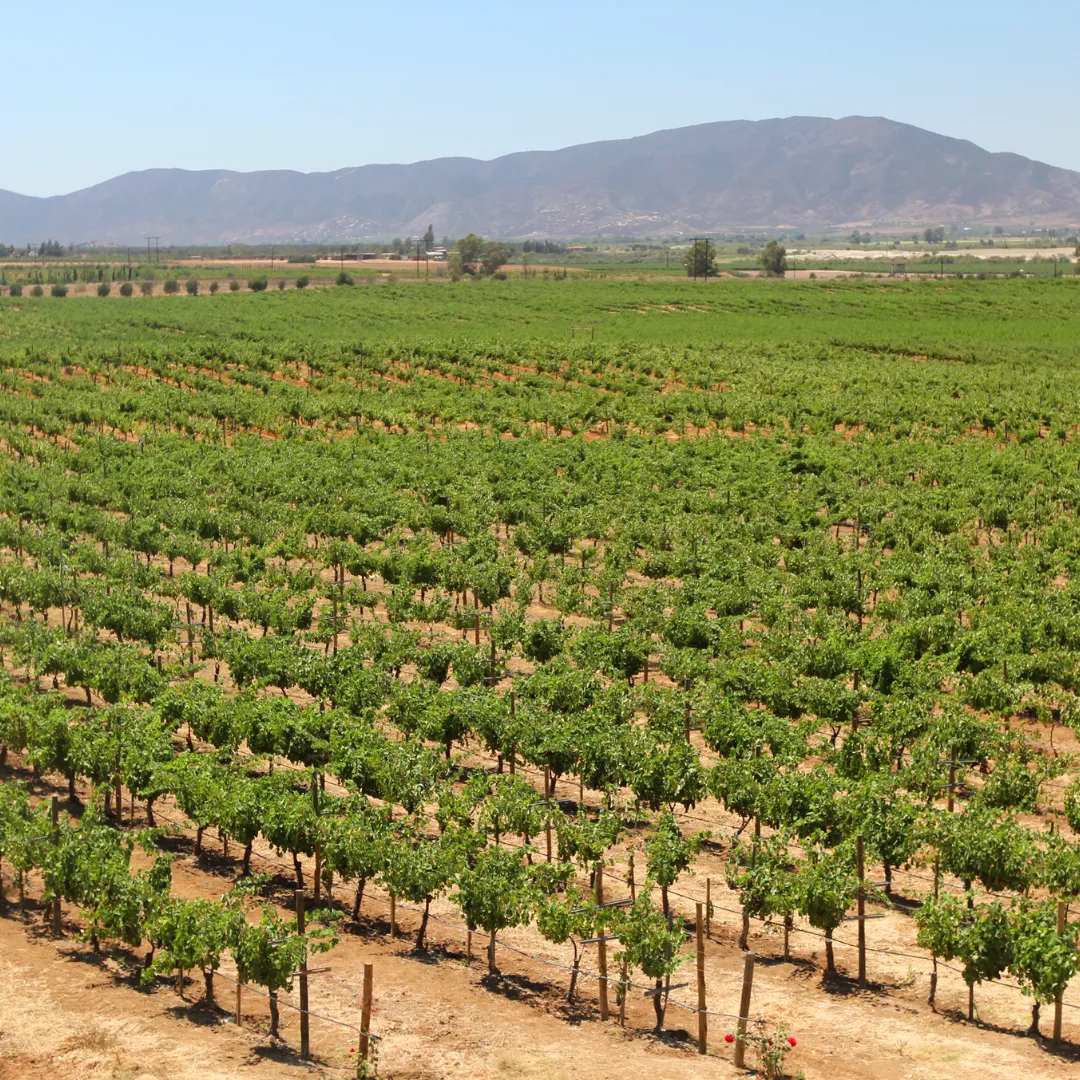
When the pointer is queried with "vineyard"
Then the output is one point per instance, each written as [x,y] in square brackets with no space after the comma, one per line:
[396,627]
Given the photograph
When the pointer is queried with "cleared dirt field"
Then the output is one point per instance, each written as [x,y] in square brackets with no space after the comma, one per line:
[65,1012]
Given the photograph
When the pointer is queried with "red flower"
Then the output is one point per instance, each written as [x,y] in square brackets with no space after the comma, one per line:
[791,1041]
[729,1038]
[352,1049]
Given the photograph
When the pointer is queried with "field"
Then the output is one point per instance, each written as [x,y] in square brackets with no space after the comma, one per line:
[560,642]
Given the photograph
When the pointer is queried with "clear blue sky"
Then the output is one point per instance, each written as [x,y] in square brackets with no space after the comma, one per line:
[94,90]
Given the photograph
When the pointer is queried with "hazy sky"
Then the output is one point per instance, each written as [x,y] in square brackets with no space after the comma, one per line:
[93,90]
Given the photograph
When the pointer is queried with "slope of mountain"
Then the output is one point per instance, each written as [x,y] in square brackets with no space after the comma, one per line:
[799,171]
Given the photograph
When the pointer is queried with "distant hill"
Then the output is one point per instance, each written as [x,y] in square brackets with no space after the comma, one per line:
[800,171]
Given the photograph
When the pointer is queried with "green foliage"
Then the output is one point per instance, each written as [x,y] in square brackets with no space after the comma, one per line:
[1043,961]
[470,250]
[651,942]
[700,259]
[774,259]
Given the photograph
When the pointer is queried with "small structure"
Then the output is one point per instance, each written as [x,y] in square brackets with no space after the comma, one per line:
[898,270]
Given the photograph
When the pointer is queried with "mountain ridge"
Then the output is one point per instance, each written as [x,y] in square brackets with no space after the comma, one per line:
[803,172]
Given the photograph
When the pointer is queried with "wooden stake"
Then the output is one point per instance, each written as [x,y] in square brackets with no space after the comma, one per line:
[708,907]
[305,1028]
[365,1012]
[702,1017]
[190,637]
[239,992]
[393,916]
[933,974]
[54,814]
[1057,1000]
[744,1010]
[630,879]
[602,961]
[861,870]
[513,725]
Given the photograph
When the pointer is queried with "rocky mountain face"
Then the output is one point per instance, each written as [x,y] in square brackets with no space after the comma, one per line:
[806,172]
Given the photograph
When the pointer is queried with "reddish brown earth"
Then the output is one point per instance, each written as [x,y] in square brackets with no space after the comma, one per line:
[65,1013]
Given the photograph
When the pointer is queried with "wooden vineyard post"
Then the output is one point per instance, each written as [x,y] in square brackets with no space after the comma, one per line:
[190,637]
[933,974]
[602,947]
[860,867]
[708,907]
[1057,1000]
[513,715]
[702,1016]
[393,916]
[239,1000]
[365,1014]
[318,845]
[630,879]
[547,819]
[468,946]
[54,815]
[744,1010]
[305,1029]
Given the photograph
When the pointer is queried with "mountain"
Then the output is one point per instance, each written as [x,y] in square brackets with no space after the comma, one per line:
[800,171]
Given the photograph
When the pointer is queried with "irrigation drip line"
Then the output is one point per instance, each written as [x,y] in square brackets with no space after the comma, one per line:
[296,1008]
[652,887]
[564,967]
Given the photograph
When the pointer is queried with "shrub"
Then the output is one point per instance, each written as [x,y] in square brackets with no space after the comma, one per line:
[213,287]
[172,286]
[58,290]
[126,289]
[146,287]
[257,284]
[104,289]
[344,279]
[303,281]
[37,290]
[192,286]
[15,290]
[234,285]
